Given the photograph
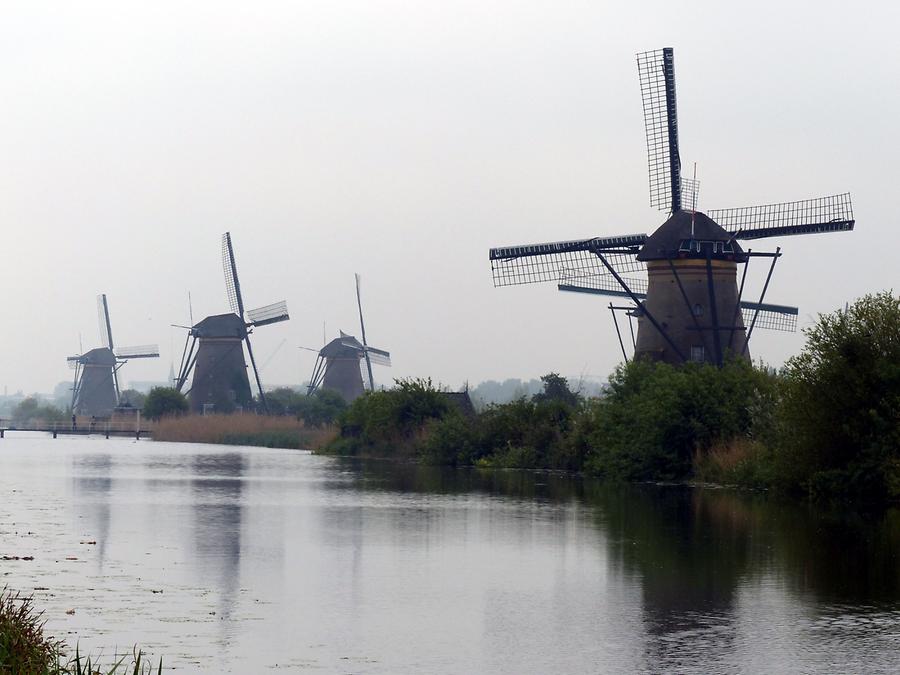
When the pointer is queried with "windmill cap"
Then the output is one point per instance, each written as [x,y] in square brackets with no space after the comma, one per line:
[101,356]
[221,326]
[346,346]
[674,236]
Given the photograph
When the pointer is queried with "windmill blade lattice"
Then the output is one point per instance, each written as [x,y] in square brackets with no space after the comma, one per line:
[103,318]
[274,313]
[379,356]
[808,216]
[690,194]
[232,283]
[535,263]
[138,352]
[770,317]
[656,71]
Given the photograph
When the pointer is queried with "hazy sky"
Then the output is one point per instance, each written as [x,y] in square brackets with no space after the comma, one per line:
[401,140]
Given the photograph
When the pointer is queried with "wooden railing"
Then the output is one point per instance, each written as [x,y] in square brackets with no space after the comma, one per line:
[81,425]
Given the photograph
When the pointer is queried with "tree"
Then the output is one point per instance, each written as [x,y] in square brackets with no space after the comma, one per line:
[841,409]
[164,401]
[132,398]
[656,416]
[281,401]
[323,407]
[33,409]
[556,388]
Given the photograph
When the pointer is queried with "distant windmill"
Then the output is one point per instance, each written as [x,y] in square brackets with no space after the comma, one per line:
[681,280]
[213,349]
[96,389]
[339,364]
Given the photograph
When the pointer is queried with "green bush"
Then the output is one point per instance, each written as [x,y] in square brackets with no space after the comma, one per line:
[828,424]
[655,416]
[32,409]
[390,422]
[840,417]
[319,409]
[164,401]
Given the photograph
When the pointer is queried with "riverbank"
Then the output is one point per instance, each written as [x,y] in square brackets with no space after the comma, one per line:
[26,650]
[267,431]
[826,426]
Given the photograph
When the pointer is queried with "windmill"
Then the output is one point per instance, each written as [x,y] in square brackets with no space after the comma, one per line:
[680,283]
[213,348]
[96,385]
[339,363]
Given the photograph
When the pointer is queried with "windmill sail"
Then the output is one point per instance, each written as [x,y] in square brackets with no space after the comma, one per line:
[103,317]
[274,313]
[138,352]
[535,263]
[809,216]
[232,283]
[362,327]
[656,71]
[378,356]
[771,317]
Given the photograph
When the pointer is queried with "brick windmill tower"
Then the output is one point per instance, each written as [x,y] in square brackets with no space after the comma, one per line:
[96,389]
[339,363]
[681,284]
[214,349]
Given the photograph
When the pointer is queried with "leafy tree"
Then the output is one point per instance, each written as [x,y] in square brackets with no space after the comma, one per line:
[282,401]
[318,409]
[32,409]
[164,401]
[655,416]
[841,410]
[556,388]
[323,407]
[388,421]
[132,398]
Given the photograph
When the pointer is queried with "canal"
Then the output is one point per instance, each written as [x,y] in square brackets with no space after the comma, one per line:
[247,560]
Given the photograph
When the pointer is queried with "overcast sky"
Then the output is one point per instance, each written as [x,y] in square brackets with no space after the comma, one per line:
[401,140]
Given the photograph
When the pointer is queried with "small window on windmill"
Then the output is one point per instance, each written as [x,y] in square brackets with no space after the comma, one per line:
[698,353]
[698,309]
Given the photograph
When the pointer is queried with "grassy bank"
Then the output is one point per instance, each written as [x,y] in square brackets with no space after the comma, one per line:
[258,430]
[826,426]
[26,650]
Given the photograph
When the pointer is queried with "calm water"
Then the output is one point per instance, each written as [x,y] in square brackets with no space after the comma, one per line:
[251,560]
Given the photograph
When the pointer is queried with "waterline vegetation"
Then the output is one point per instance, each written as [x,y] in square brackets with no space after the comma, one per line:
[269,431]
[26,650]
[827,425]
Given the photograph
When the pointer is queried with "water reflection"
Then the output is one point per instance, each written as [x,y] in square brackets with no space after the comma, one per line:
[216,488]
[92,479]
[693,547]
[235,560]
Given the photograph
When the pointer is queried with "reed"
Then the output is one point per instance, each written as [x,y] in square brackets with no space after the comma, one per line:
[25,650]
[739,461]
[260,430]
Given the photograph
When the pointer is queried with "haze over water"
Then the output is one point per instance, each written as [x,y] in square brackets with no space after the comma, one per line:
[244,560]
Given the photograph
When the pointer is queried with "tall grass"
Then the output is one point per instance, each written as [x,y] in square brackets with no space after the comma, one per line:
[261,430]
[739,461]
[25,650]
